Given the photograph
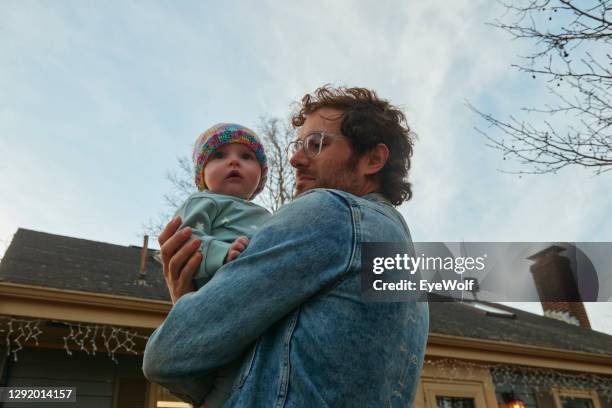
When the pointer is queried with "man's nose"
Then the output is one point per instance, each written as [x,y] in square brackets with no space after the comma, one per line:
[298,159]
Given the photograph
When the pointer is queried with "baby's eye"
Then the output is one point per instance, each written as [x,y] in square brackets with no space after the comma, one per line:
[217,155]
[247,156]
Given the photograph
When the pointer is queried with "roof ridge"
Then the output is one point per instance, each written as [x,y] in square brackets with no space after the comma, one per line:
[21,231]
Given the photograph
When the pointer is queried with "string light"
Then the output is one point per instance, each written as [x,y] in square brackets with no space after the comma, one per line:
[114,339]
[537,379]
[16,331]
[84,337]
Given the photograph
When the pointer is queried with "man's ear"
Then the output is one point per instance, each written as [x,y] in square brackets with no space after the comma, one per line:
[375,159]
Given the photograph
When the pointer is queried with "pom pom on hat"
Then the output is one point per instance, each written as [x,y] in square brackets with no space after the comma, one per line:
[220,135]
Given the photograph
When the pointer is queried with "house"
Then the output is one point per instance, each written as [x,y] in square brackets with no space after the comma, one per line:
[77,313]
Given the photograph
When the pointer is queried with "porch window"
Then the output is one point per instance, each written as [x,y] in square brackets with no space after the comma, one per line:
[574,398]
[454,402]
[568,402]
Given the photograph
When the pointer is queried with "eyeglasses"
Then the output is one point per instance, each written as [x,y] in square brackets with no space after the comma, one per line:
[312,144]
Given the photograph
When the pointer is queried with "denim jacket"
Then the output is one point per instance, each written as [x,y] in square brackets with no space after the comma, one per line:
[290,307]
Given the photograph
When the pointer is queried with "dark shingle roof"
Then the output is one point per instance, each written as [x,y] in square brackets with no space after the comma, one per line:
[41,259]
[464,320]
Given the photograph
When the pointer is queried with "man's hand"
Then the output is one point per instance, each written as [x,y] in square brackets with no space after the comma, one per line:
[236,248]
[180,258]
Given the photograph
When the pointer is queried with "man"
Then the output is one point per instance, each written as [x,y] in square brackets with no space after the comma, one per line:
[292,299]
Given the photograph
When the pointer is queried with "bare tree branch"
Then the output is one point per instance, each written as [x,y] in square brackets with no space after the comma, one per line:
[183,185]
[281,178]
[572,42]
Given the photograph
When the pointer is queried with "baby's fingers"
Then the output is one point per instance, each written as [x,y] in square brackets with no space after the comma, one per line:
[231,255]
[240,243]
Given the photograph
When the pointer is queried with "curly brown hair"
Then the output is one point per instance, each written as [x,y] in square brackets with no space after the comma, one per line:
[366,121]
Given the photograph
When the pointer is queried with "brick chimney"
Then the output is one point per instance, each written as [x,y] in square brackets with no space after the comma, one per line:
[557,288]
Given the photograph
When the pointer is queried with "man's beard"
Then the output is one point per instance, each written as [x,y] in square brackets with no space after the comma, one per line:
[344,181]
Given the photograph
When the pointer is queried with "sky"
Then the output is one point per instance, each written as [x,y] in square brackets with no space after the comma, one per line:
[98,99]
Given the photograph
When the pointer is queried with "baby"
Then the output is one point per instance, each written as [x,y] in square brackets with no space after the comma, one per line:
[230,170]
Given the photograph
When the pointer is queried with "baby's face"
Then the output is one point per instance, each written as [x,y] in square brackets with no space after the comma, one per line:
[233,170]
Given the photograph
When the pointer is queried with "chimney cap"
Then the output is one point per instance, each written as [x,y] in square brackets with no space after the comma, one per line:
[551,249]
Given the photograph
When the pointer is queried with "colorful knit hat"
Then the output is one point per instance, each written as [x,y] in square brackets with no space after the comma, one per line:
[222,134]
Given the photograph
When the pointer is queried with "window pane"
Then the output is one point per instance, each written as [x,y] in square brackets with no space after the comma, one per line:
[568,402]
[454,402]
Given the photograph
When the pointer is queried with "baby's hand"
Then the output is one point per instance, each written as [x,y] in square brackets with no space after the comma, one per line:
[236,248]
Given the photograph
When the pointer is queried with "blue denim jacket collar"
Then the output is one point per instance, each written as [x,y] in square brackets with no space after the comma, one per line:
[377,197]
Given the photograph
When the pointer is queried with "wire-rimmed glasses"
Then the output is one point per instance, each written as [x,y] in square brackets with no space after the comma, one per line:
[311,144]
